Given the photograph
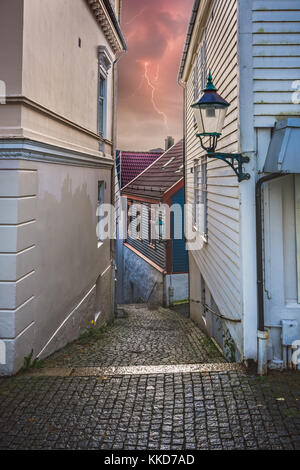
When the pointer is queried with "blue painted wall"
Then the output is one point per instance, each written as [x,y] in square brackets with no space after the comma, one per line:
[179,253]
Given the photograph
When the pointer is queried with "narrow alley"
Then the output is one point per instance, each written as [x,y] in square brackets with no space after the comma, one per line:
[149,381]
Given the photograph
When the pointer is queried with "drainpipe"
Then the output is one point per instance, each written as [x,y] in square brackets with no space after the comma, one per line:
[113,175]
[183,86]
[262,333]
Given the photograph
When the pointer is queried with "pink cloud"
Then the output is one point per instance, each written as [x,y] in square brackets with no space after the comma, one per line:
[150,100]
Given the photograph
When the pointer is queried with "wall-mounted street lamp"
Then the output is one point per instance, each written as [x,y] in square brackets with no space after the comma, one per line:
[210,112]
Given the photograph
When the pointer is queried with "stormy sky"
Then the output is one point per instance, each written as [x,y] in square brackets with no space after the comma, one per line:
[150,100]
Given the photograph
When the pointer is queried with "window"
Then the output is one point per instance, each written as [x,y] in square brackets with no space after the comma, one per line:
[104,65]
[160,225]
[129,218]
[200,197]
[202,65]
[203,297]
[102,106]
[100,213]
[138,218]
[196,195]
[200,70]
[204,196]
[151,235]
[196,79]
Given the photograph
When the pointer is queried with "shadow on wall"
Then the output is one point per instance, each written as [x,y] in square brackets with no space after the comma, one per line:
[68,261]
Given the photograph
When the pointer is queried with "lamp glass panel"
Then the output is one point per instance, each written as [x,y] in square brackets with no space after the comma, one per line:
[199,121]
[210,118]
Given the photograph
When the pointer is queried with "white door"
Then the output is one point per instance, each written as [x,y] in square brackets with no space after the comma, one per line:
[281,231]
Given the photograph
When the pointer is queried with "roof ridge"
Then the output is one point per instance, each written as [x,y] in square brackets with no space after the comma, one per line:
[155,161]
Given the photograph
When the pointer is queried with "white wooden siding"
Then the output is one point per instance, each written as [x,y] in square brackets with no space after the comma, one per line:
[276,59]
[219,260]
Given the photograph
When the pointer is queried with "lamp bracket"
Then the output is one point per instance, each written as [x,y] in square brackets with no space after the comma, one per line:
[231,159]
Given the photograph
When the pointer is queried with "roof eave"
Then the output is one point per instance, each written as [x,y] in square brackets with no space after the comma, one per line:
[108,21]
[199,16]
[188,38]
[173,189]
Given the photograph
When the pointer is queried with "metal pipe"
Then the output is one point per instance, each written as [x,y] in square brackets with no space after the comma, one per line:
[259,247]
[234,320]
[113,176]
[262,334]
[183,86]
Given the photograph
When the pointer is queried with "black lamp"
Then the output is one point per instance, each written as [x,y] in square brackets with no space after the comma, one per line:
[210,112]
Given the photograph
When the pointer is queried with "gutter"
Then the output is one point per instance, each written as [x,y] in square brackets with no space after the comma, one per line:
[183,86]
[115,22]
[188,38]
[262,333]
[113,242]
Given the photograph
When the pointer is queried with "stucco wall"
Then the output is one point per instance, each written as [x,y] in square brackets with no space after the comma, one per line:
[180,284]
[11,44]
[141,281]
[50,259]
[57,73]
[54,276]
[41,62]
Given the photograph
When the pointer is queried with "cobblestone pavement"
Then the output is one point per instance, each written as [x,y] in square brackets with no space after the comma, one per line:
[144,337]
[225,409]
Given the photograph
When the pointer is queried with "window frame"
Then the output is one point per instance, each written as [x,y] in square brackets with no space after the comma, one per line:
[203,61]
[200,217]
[160,225]
[203,193]
[102,104]
[196,196]
[101,200]
[138,218]
[129,217]
[196,78]
[151,241]
[105,61]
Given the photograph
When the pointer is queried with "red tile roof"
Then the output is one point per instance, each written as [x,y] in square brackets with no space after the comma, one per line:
[159,177]
[133,163]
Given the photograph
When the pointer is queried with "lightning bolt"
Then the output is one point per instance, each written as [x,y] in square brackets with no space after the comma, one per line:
[153,90]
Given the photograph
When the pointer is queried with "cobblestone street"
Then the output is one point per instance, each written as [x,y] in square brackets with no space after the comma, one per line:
[152,380]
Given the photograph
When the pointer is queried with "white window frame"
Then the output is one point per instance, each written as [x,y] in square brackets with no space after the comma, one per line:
[100,215]
[196,78]
[200,197]
[202,62]
[102,104]
[139,221]
[203,192]
[196,170]
[104,64]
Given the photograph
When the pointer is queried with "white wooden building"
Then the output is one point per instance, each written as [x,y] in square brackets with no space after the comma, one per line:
[253,51]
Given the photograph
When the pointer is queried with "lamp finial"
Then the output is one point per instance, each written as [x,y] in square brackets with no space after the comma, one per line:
[210,86]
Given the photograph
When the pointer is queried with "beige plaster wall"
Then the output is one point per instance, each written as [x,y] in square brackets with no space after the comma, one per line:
[50,257]
[41,61]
